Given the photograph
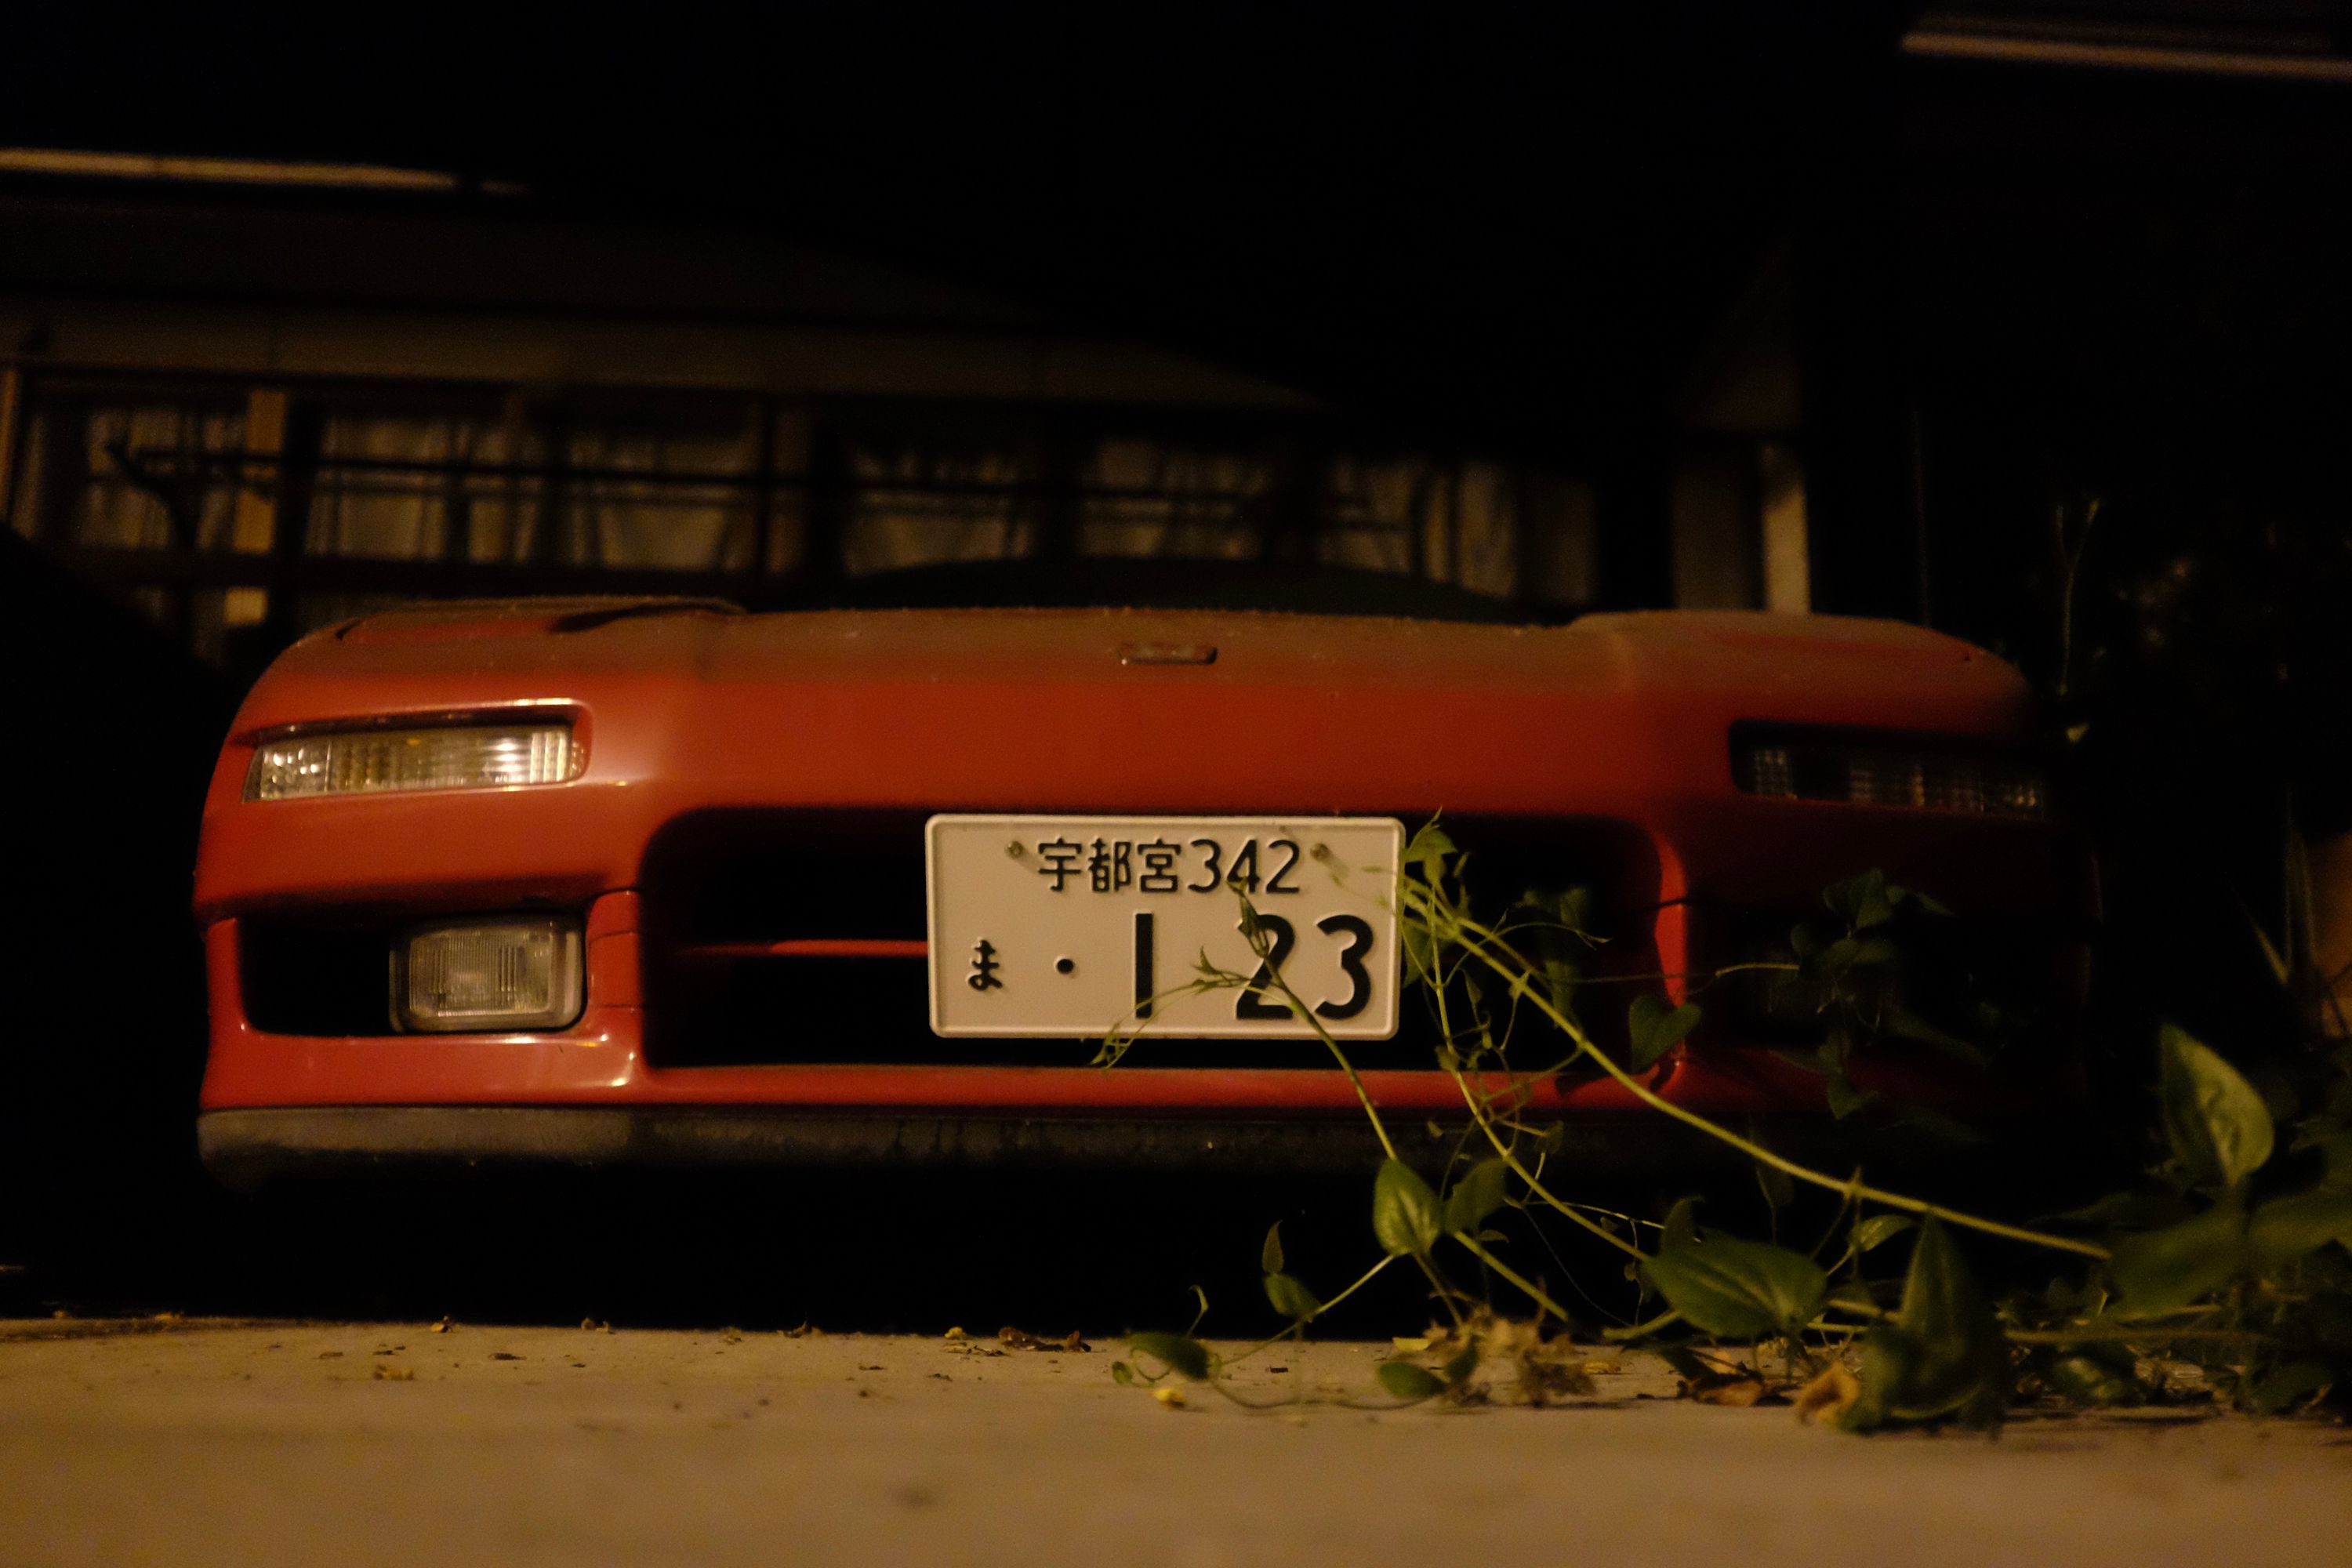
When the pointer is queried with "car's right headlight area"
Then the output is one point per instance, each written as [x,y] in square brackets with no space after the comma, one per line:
[1888,771]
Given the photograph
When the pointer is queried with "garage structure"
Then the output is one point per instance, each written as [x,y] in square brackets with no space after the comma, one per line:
[259,398]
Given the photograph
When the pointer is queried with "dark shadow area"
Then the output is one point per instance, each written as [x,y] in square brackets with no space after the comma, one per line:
[873,1250]
[115,730]
[846,1251]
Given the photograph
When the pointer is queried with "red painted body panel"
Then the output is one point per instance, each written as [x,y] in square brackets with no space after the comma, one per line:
[1624,719]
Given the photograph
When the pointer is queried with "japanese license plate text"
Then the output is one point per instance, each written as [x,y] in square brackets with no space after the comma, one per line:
[1077,926]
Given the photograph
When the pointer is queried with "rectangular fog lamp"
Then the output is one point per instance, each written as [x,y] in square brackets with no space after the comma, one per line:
[488,974]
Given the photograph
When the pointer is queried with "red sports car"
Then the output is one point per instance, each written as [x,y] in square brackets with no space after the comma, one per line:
[664,882]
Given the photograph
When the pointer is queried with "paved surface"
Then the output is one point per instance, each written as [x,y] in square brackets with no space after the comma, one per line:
[193,1444]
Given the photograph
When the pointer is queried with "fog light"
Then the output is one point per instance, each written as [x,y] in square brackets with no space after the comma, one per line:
[488,974]
[453,756]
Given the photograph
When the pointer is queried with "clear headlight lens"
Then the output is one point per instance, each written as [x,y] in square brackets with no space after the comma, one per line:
[488,974]
[451,756]
[1868,774]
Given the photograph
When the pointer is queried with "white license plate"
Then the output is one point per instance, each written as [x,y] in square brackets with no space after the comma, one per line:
[1080,925]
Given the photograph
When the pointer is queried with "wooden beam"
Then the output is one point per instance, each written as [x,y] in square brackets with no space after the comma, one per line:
[353,574]
[256,526]
[12,382]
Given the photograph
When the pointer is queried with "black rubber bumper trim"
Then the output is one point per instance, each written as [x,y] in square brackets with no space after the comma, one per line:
[246,1147]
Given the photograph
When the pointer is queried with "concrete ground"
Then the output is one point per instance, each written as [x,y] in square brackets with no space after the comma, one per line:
[193,1443]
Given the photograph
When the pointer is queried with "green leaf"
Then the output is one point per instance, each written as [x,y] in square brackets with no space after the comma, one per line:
[1920,902]
[2291,1384]
[1779,1190]
[2286,1229]
[1563,911]
[1560,978]
[1269,1256]
[1653,1029]
[1291,1298]
[1429,850]
[1879,1229]
[1739,1289]
[1407,1381]
[1937,1125]
[1122,1374]
[1963,1360]
[1478,1193]
[1943,1355]
[1420,952]
[1682,1222]
[1888,1358]
[1861,901]
[2335,1155]
[1456,1371]
[1844,1098]
[2161,1269]
[1405,1211]
[2096,1374]
[1851,953]
[1179,1353]
[1555,941]
[2129,1211]
[2281,967]
[2219,1130]
[2087,1378]
[1908,1025]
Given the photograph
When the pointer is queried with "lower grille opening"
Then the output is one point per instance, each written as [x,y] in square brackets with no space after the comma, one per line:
[328,972]
[1996,981]
[317,976]
[775,938]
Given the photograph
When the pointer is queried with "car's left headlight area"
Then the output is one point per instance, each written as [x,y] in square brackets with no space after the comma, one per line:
[464,752]
[439,869]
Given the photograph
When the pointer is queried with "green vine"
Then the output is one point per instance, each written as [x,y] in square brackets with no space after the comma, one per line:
[2231,1259]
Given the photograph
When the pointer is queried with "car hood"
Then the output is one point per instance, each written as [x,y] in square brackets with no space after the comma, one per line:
[1782,659]
[684,709]
[1206,701]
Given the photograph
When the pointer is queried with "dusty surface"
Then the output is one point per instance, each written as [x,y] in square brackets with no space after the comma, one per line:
[194,1444]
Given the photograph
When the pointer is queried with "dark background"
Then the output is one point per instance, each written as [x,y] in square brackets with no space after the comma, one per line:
[1969,273]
